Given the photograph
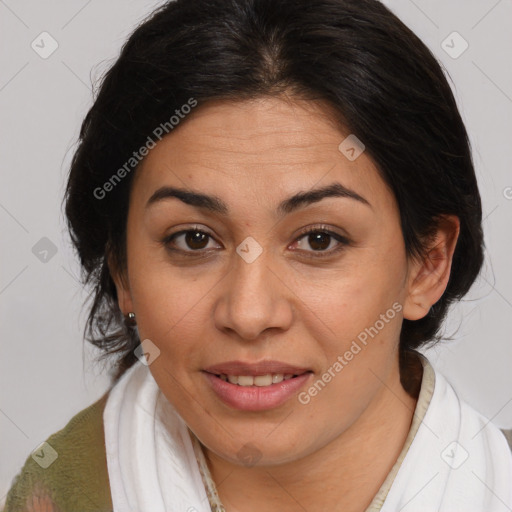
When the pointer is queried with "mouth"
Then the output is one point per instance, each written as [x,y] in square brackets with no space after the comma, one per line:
[256,380]
[258,386]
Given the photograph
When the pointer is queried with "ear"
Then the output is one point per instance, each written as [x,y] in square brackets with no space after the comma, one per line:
[120,279]
[428,275]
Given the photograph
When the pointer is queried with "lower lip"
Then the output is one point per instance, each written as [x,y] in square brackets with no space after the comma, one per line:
[256,398]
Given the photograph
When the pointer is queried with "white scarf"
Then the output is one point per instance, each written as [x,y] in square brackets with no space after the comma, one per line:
[152,466]
[458,461]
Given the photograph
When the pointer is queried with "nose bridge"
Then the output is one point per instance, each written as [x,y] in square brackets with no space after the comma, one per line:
[250,271]
[253,298]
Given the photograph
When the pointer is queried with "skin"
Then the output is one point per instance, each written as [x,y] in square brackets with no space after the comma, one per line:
[335,452]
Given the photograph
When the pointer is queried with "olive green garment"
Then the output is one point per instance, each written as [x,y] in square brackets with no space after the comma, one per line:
[77,480]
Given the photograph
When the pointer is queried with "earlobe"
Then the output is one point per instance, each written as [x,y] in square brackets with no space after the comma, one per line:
[429,275]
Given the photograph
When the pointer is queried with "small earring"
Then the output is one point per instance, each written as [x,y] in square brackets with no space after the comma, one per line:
[130,319]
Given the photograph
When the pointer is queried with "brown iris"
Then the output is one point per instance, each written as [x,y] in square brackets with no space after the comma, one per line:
[196,239]
[319,241]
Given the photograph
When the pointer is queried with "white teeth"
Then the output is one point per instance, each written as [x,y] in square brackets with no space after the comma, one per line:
[263,380]
[259,380]
[277,377]
[245,380]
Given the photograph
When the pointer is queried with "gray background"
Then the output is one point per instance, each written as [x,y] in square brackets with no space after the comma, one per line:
[47,374]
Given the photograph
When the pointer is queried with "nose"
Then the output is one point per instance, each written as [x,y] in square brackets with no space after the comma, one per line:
[253,298]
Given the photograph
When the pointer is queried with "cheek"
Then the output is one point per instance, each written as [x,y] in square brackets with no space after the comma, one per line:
[171,304]
[362,309]
[364,320]
[356,297]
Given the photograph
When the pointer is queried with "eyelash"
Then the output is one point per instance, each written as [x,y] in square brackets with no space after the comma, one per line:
[342,241]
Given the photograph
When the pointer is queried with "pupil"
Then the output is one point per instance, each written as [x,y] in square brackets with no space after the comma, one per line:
[316,239]
[195,239]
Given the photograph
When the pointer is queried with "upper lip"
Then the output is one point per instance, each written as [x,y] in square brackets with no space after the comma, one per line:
[254,369]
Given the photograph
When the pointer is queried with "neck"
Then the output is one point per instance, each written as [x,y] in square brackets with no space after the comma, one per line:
[348,472]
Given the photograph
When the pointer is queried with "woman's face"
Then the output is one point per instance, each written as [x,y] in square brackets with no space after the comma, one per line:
[240,285]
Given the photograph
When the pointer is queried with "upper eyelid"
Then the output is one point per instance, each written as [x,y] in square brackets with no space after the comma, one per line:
[321,229]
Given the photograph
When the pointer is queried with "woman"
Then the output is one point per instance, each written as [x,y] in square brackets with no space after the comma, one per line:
[276,204]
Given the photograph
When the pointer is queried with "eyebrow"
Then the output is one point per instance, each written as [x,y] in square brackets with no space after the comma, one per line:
[217,205]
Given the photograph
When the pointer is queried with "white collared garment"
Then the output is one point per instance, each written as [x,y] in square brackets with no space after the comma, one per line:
[453,460]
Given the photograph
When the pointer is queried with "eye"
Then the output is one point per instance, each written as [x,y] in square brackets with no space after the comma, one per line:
[189,240]
[322,241]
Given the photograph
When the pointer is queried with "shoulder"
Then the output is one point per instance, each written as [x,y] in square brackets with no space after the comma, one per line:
[69,470]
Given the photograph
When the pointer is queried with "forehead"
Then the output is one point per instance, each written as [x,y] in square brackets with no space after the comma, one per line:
[264,147]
